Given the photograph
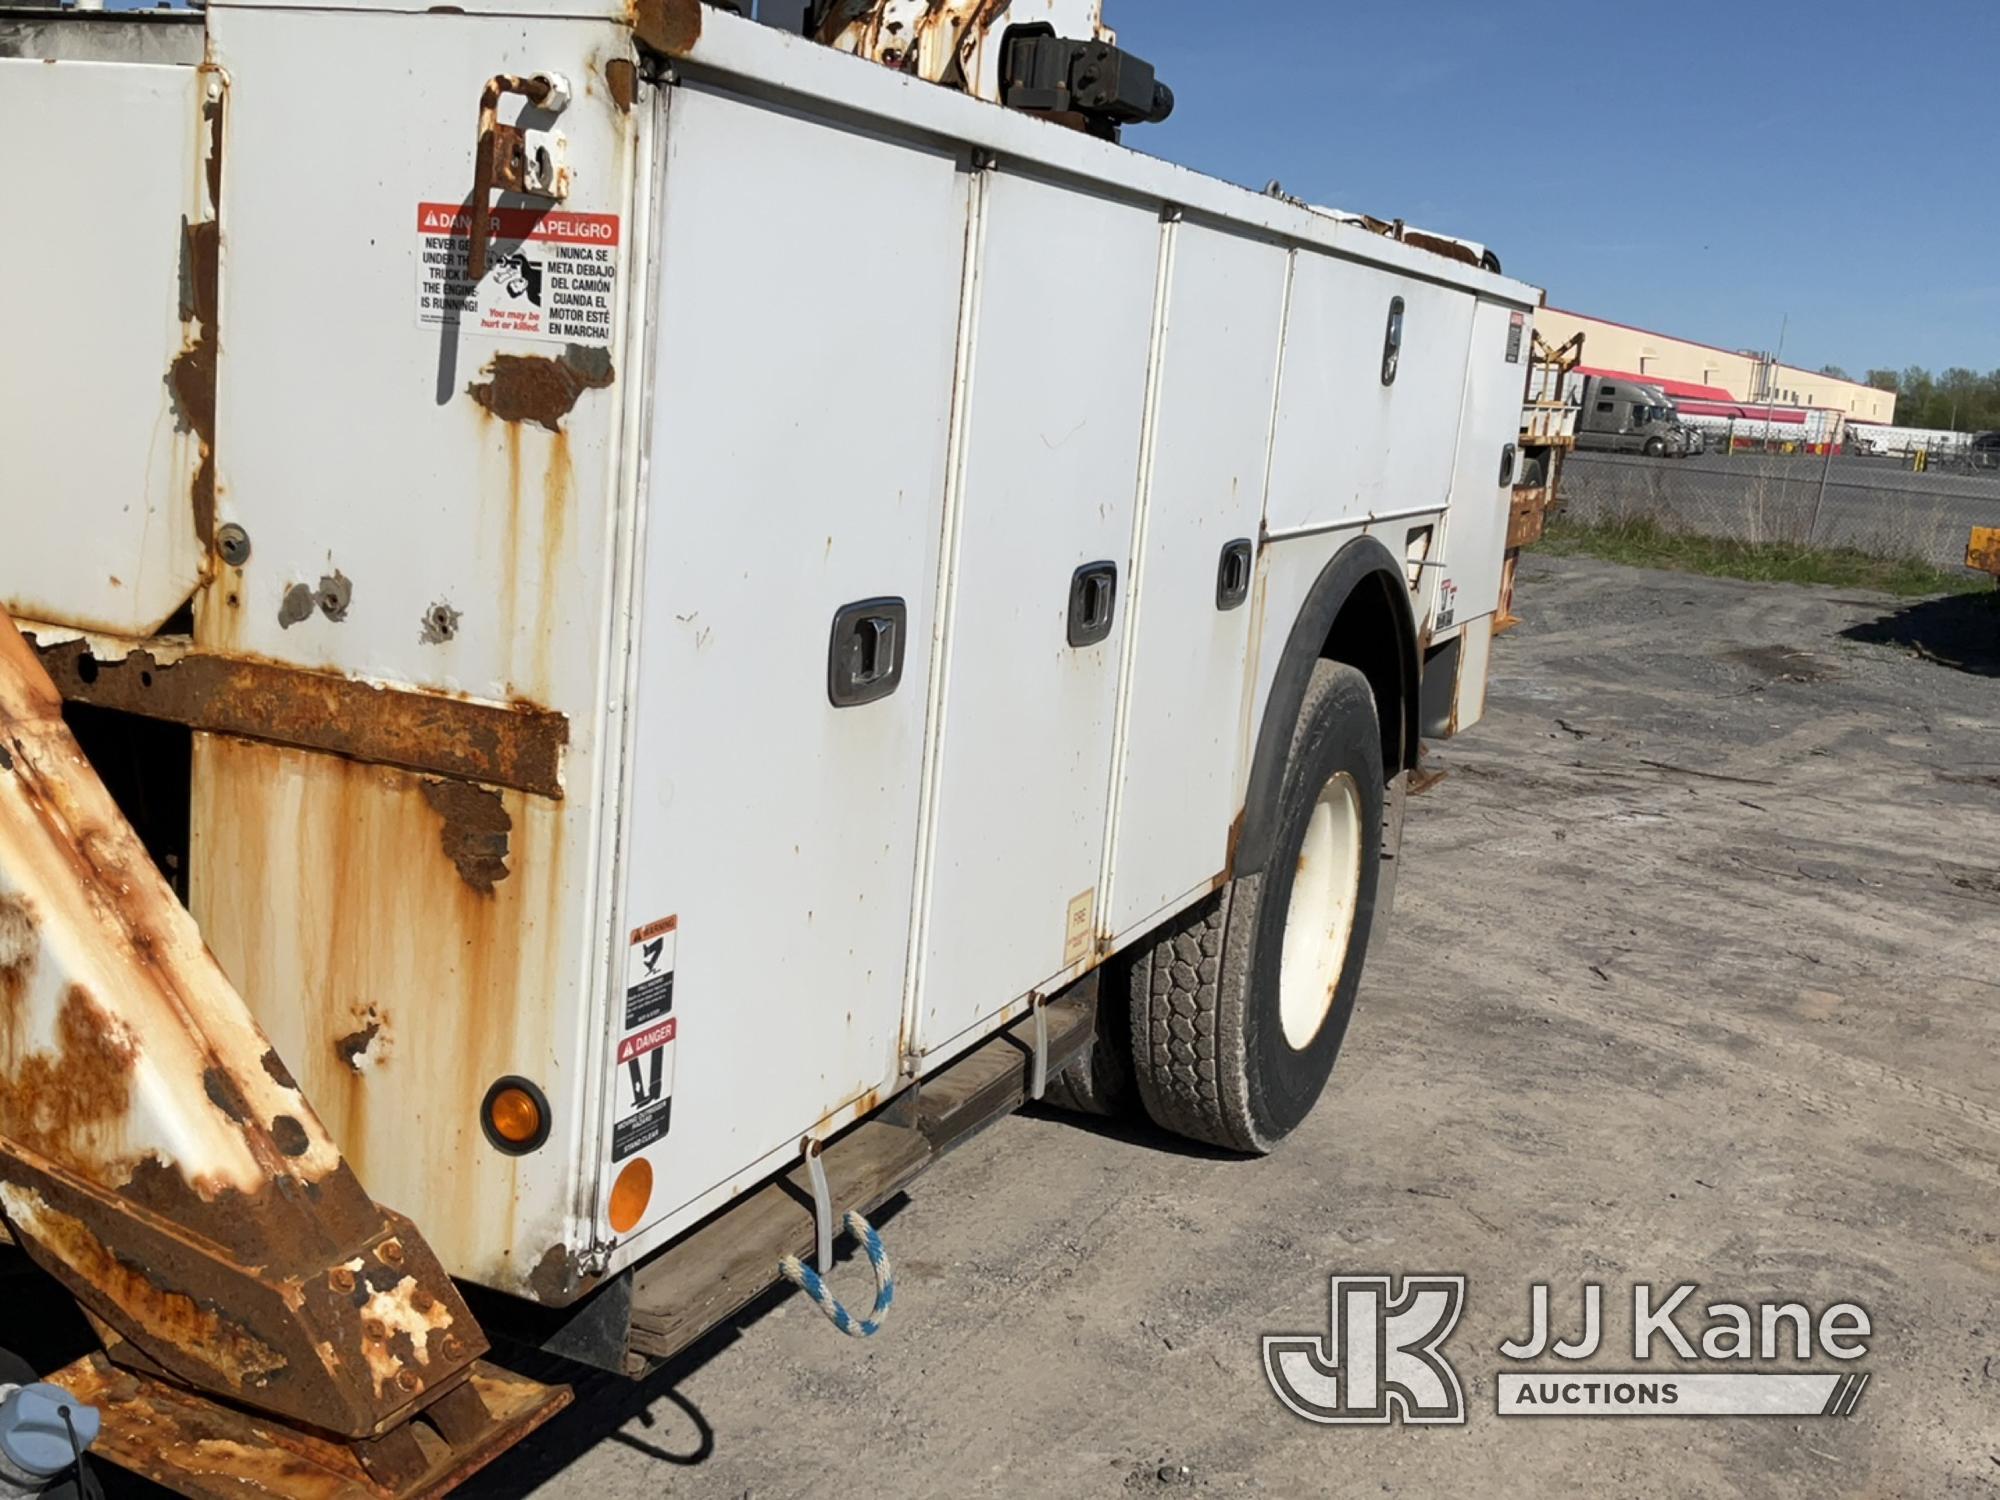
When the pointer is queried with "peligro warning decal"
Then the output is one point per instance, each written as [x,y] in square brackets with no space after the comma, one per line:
[550,274]
[643,1073]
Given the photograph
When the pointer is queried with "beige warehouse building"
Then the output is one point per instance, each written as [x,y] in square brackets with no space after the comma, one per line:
[1748,377]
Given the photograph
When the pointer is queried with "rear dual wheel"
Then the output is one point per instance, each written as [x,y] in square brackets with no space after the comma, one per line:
[1235,1010]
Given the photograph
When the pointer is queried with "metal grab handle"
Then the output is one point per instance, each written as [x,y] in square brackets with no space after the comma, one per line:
[499,155]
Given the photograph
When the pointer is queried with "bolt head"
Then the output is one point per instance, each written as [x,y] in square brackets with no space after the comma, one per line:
[340,1279]
[390,1252]
[232,544]
[408,1383]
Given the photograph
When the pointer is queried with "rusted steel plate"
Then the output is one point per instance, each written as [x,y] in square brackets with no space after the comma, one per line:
[202,1449]
[1983,551]
[518,746]
[1526,519]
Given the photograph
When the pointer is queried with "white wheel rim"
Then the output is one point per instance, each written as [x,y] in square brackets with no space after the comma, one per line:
[1319,920]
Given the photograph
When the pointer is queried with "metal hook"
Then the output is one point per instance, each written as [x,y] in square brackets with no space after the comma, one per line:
[1038,1081]
[822,1209]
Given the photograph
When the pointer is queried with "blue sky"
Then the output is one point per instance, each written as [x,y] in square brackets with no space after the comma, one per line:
[1705,169]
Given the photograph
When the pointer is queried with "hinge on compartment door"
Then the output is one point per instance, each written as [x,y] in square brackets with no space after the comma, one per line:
[528,160]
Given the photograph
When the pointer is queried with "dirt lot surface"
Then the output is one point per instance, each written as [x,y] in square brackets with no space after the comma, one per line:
[1692,978]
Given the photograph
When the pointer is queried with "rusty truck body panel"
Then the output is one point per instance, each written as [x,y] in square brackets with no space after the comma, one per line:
[561,645]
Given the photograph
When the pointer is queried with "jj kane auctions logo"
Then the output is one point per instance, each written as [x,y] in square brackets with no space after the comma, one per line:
[1382,1357]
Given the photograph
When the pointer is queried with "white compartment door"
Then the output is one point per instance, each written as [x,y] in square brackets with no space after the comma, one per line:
[1057,402]
[1350,445]
[105,258]
[1187,727]
[809,287]
[1475,534]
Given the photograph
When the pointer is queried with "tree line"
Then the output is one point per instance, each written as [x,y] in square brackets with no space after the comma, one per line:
[1958,400]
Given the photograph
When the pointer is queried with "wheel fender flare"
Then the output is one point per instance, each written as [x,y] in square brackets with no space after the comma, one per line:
[1359,562]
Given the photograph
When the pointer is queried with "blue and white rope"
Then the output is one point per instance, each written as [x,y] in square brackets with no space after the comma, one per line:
[807,1280]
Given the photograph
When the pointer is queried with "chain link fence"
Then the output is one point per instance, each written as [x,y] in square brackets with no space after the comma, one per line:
[1878,506]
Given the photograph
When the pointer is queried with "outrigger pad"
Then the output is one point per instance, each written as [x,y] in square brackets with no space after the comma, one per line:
[197,1447]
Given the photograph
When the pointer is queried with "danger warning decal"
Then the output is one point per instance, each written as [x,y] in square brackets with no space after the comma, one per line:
[550,275]
[643,1082]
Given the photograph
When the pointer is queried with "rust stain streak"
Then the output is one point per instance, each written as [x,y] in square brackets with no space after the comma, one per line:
[396,1034]
[191,377]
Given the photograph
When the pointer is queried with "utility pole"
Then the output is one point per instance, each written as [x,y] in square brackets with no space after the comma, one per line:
[1771,380]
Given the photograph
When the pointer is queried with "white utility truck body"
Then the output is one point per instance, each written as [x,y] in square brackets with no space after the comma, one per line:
[801,333]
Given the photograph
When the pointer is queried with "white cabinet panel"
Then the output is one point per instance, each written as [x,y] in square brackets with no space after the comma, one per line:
[1348,445]
[798,466]
[1051,468]
[1185,739]
[1475,536]
[100,458]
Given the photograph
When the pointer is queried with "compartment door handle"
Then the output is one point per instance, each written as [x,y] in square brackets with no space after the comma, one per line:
[1093,602]
[865,656]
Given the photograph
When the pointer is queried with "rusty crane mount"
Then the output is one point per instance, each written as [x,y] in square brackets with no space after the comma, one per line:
[265,1324]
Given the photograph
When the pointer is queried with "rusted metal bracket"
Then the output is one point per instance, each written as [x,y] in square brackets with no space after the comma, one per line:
[506,160]
[517,746]
[157,1157]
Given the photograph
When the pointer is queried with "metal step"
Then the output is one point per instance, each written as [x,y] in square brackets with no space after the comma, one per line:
[725,1263]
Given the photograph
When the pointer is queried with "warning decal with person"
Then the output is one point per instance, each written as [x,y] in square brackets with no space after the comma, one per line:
[550,274]
[643,1089]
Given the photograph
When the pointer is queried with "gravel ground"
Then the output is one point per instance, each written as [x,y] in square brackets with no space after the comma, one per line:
[1691,979]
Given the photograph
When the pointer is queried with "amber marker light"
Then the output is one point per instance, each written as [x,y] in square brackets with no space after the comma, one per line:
[515,1116]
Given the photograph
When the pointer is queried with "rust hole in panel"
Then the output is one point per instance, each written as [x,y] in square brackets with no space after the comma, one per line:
[475,831]
[540,389]
[224,1095]
[367,1045]
[623,80]
[668,26]
[274,1065]
[290,1136]
[57,1104]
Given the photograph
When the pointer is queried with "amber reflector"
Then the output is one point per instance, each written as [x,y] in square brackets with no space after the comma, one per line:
[630,1194]
[516,1117]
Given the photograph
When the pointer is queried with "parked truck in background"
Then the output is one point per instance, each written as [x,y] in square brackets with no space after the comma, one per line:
[630,624]
[1616,415]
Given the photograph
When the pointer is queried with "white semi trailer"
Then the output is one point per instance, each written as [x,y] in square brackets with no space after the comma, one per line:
[688,618]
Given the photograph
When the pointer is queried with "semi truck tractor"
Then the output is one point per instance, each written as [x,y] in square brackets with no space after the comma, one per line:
[621,625]
[1617,415]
